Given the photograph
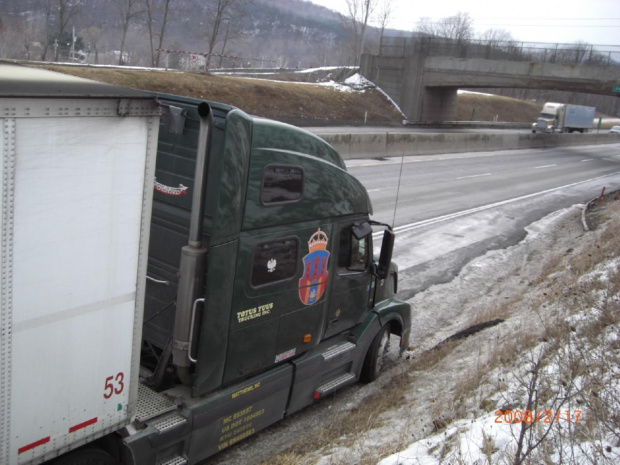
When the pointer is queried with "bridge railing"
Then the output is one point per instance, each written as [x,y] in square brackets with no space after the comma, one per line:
[578,53]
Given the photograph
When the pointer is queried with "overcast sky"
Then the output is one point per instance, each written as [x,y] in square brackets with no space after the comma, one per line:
[593,21]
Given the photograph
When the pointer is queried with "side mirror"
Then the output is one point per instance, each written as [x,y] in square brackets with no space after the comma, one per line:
[387,247]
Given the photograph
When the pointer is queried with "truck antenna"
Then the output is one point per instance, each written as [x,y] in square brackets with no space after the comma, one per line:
[400,175]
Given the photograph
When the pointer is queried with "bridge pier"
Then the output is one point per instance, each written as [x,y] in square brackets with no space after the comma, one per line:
[438,104]
[402,78]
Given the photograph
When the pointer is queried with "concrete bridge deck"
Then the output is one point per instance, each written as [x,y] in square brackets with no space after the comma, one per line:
[425,86]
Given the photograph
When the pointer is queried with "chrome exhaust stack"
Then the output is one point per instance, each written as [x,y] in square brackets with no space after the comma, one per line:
[193,257]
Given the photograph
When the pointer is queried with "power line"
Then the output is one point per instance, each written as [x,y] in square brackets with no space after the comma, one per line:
[557,19]
[547,25]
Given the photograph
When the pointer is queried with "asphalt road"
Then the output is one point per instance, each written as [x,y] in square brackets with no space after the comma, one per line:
[407,130]
[452,208]
[420,130]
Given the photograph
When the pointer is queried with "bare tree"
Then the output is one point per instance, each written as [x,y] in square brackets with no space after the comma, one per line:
[458,27]
[156,12]
[222,15]
[499,44]
[67,10]
[360,12]
[92,35]
[497,37]
[224,41]
[47,28]
[128,10]
[12,37]
[574,53]
[58,14]
[384,14]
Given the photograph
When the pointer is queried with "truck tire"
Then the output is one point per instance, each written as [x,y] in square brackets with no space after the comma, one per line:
[376,355]
[86,457]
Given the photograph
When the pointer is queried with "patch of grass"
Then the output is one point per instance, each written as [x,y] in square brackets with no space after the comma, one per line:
[347,427]
[480,107]
[270,99]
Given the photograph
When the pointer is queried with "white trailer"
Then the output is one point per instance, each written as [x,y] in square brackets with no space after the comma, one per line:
[563,117]
[76,179]
[576,118]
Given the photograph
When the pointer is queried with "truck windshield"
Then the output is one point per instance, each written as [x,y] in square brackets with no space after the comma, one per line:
[547,116]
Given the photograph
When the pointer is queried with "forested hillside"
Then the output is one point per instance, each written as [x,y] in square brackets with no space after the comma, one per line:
[270,33]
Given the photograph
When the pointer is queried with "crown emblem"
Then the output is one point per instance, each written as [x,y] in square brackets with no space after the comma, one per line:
[318,241]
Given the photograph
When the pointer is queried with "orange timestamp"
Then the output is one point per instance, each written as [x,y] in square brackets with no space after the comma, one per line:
[533,416]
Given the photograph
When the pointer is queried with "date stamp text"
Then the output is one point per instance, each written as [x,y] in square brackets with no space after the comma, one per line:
[541,416]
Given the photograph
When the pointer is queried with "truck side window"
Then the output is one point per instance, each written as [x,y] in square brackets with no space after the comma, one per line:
[274,261]
[282,184]
[353,252]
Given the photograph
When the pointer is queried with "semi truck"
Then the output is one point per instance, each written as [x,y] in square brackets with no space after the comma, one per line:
[176,274]
[563,117]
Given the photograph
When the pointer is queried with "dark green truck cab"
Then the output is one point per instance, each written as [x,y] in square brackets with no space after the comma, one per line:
[262,293]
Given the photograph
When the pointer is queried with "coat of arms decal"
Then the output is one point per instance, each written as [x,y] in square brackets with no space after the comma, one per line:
[313,283]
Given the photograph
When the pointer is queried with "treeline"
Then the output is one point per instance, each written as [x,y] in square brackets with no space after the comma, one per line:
[282,33]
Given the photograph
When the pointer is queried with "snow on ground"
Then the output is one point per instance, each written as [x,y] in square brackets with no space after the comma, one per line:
[357,81]
[493,437]
[461,91]
[325,68]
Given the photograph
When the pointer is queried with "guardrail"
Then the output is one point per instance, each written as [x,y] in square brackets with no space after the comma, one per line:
[380,145]
[585,54]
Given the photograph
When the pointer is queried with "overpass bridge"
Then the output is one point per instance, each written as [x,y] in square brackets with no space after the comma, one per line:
[423,76]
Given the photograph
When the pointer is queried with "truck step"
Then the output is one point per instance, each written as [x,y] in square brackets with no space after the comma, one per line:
[333,384]
[168,421]
[152,404]
[338,349]
[176,460]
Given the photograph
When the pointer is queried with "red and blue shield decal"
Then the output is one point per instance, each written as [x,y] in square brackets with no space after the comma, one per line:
[313,283]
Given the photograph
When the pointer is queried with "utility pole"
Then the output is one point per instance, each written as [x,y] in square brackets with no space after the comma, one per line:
[73,44]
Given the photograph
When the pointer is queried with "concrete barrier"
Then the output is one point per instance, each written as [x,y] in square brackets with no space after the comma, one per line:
[386,144]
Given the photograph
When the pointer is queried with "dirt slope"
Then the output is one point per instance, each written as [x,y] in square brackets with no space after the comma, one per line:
[481,107]
[299,103]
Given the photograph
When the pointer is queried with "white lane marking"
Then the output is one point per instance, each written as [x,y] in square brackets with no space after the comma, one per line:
[373,190]
[397,160]
[588,159]
[420,224]
[544,166]
[474,176]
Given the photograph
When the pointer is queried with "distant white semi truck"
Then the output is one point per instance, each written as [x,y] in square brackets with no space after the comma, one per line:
[561,117]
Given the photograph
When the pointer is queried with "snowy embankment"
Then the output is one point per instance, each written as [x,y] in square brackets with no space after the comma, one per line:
[541,387]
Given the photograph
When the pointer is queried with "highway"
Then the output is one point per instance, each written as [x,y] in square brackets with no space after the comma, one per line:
[452,208]
[410,130]
[422,130]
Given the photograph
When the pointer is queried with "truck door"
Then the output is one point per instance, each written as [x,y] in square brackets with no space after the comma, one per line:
[350,293]
[279,297]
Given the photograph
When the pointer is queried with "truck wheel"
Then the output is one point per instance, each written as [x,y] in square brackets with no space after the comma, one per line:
[376,355]
[86,457]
